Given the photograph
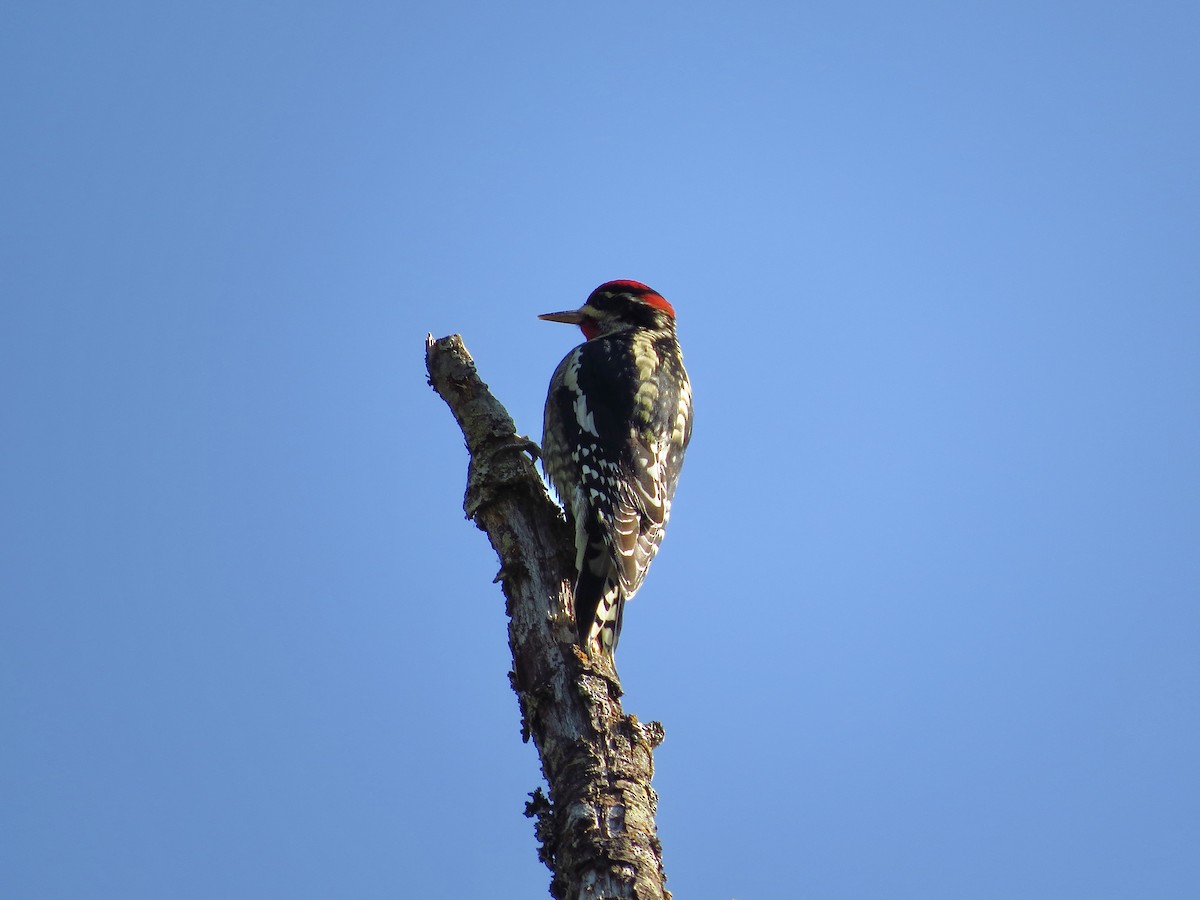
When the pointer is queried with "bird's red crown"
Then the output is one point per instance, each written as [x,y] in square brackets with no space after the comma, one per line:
[642,292]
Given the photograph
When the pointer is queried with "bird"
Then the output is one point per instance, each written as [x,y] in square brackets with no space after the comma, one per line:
[618,421]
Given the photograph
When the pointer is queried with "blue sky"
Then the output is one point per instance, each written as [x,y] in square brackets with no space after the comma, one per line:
[926,621]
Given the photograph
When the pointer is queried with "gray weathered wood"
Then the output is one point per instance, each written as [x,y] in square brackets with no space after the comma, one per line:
[597,827]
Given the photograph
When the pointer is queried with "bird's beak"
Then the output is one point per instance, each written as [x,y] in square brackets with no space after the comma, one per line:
[570,317]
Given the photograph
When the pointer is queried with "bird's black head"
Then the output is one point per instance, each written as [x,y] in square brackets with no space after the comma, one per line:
[619,306]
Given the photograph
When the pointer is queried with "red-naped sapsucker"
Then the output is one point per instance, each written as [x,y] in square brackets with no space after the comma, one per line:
[618,420]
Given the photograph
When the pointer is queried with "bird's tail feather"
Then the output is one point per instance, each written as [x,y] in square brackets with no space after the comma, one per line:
[599,609]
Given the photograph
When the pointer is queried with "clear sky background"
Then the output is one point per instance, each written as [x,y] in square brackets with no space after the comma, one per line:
[926,623]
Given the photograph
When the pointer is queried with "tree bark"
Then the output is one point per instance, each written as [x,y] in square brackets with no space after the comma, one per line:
[596,829]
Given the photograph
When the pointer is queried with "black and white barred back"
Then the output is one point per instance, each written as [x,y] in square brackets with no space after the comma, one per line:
[618,420]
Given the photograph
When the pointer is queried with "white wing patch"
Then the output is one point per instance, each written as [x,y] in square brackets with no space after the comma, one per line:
[584,416]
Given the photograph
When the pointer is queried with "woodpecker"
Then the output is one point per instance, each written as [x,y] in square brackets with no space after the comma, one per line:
[618,420]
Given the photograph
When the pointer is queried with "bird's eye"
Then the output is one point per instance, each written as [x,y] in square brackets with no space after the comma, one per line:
[602,300]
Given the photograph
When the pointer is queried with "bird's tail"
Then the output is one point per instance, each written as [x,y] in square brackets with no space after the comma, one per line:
[599,609]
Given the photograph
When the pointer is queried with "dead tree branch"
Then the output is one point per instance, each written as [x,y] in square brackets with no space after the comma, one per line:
[597,828]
